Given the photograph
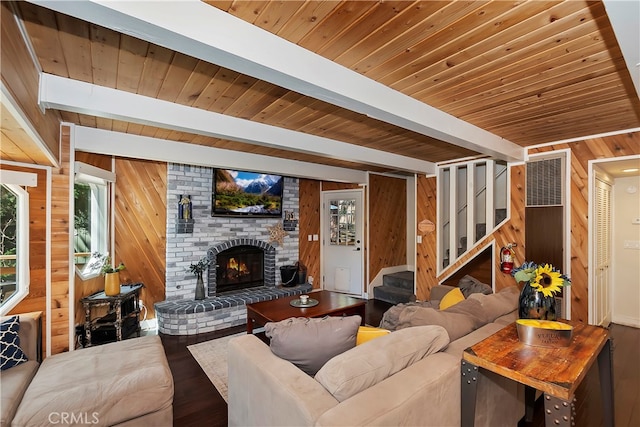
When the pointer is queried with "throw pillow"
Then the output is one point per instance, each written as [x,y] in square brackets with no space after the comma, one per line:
[366,365]
[10,352]
[390,317]
[452,297]
[470,285]
[458,320]
[309,343]
[500,303]
[367,333]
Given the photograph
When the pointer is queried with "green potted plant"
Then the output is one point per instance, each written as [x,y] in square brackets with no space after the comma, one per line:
[111,274]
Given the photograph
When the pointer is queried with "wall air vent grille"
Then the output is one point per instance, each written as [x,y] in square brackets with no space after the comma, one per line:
[544,182]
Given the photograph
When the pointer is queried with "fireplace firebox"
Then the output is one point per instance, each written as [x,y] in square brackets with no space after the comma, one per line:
[240,267]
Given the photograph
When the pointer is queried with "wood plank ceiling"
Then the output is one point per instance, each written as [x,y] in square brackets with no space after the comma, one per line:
[528,71]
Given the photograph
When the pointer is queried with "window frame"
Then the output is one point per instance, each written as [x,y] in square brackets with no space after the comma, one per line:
[23,278]
[100,181]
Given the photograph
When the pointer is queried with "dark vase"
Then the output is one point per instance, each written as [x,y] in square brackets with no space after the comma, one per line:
[534,305]
[199,287]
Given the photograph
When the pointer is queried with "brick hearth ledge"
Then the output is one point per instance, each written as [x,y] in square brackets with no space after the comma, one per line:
[191,317]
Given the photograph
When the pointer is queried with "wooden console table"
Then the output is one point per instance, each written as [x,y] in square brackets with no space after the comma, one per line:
[556,372]
[122,317]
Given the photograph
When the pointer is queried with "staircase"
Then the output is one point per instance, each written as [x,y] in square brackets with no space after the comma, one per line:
[396,288]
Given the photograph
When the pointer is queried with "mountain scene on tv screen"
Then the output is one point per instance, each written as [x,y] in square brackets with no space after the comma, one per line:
[248,193]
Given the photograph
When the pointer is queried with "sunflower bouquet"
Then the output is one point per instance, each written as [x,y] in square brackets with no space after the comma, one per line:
[544,278]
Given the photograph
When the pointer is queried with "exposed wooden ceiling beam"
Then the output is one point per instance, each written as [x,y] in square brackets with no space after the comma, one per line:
[85,98]
[101,141]
[204,32]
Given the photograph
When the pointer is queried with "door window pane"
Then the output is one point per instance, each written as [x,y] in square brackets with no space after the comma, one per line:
[342,222]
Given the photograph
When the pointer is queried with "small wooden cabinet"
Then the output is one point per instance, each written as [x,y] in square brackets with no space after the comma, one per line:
[121,320]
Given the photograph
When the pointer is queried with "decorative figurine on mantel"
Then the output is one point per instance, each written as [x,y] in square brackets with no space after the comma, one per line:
[185,207]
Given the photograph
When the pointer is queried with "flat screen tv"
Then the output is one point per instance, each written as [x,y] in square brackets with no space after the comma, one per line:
[242,193]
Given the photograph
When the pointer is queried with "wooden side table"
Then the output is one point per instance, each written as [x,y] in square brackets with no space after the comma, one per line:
[117,316]
[556,372]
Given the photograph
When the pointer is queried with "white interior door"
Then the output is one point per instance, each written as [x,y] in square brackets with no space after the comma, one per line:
[601,298]
[342,243]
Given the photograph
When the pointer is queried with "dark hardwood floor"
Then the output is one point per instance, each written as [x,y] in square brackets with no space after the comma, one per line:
[197,402]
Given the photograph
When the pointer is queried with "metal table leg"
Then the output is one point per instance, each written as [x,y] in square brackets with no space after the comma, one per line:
[558,412]
[468,389]
[605,368]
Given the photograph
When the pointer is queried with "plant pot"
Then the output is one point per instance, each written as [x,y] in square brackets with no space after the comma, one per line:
[112,284]
[534,305]
[199,287]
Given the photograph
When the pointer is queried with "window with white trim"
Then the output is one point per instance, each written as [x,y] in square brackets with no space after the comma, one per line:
[473,199]
[14,242]
[91,217]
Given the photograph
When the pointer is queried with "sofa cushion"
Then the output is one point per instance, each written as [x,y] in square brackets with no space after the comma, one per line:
[355,370]
[452,297]
[498,304]
[367,333]
[458,320]
[310,343]
[107,384]
[390,317]
[470,285]
[10,352]
[14,383]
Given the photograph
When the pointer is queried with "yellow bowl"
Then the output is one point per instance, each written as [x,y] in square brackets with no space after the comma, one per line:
[544,333]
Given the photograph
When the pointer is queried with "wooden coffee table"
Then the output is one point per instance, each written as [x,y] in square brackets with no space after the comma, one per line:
[329,303]
[556,372]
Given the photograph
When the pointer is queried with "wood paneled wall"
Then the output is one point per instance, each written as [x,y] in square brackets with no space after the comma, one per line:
[581,152]
[329,186]
[309,223]
[37,298]
[20,77]
[140,226]
[387,242]
[98,160]
[60,249]
[426,253]
[61,246]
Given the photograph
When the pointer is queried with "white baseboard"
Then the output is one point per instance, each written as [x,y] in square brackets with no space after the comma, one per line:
[634,322]
[149,325]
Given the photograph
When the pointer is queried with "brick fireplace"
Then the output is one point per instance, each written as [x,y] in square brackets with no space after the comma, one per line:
[180,313]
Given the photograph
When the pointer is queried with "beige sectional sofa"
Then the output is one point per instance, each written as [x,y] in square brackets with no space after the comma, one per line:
[267,390]
[126,383]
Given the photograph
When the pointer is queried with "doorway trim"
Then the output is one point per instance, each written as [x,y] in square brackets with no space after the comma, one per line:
[360,223]
[591,174]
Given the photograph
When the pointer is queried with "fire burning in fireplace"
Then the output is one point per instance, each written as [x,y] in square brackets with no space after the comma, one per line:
[236,269]
[240,267]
